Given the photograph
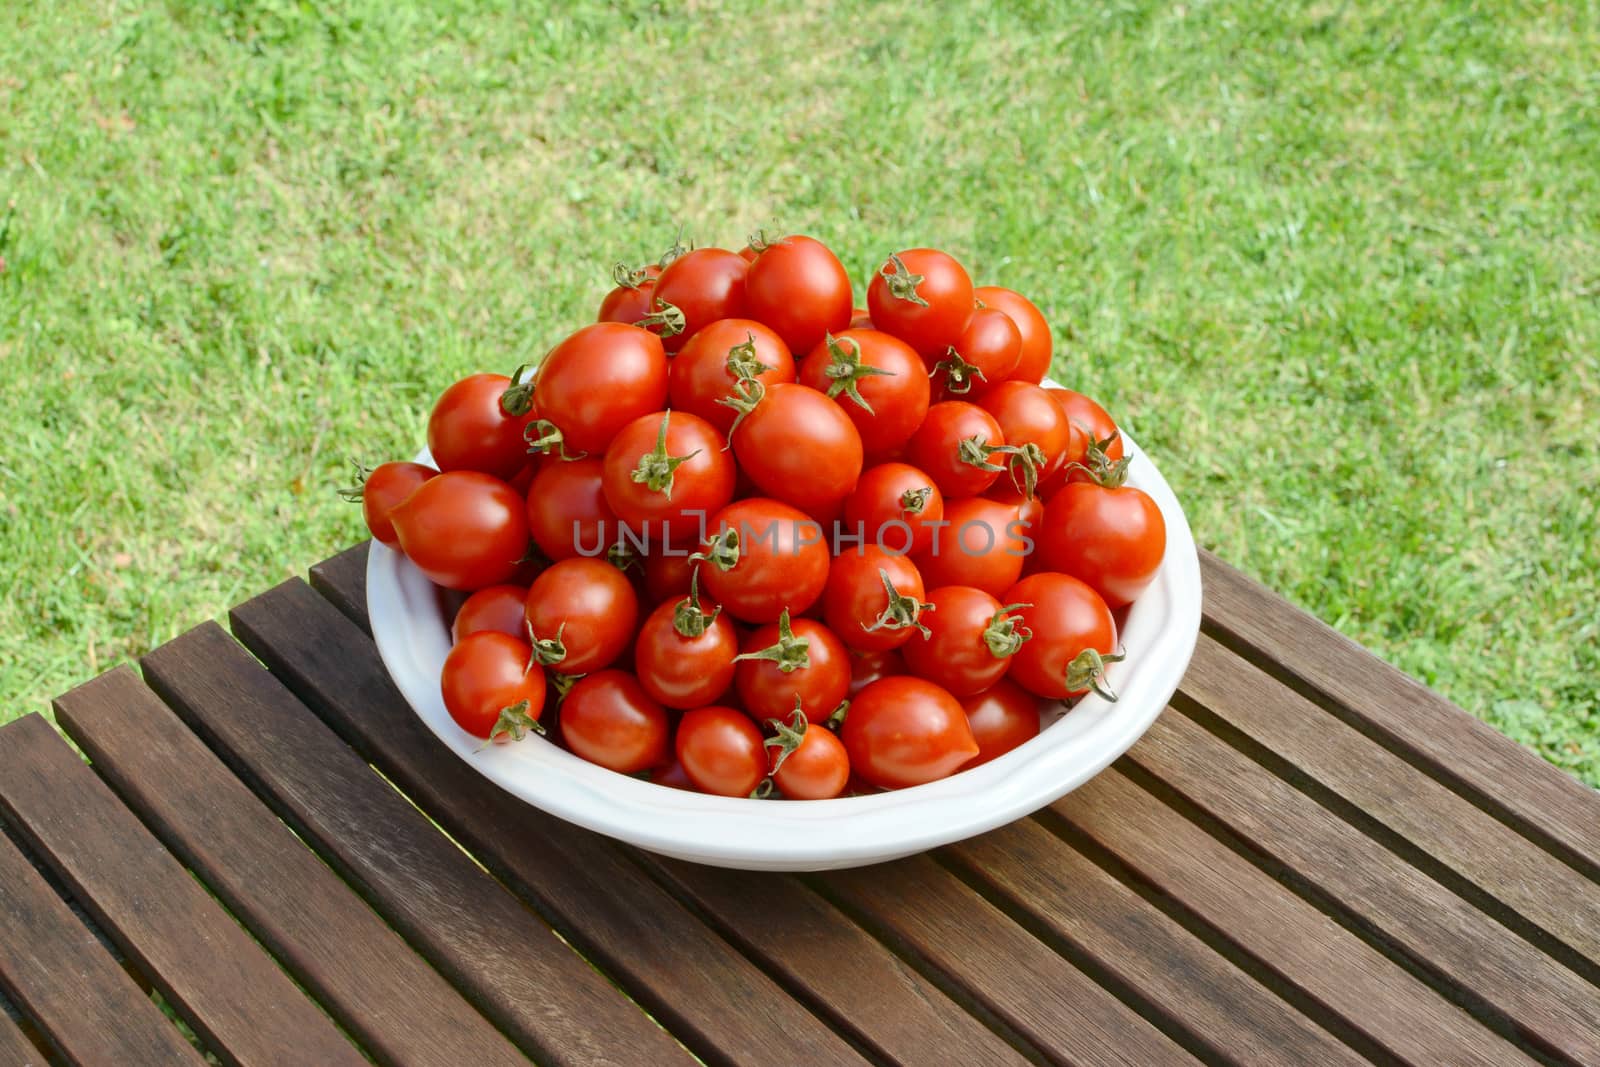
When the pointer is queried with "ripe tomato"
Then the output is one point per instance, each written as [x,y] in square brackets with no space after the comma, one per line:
[861,320]
[1033,361]
[463,529]
[764,557]
[798,287]
[1073,637]
[904,731]
[924,297]
[382,490]
[789,664]
[666,473]
[567,510]
[1089,425]
[721,751]
[671,775]
[868,667]
[1111,537]
[581,613]
[894,506]
[878,381]
[1001,719]
[707,369]
[667,574]
[596,382]
[477,425]
[684,656]
[630,300]
[497,607]
[961,447]
[695,290]
[982,357]
[609,719]
[968,642]
[1033,423]
[807,762]
[983,546]
[492,687]
[799,447]
[873,600]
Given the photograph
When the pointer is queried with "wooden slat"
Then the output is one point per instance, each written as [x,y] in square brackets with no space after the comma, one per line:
[1297,947]
[222,983]
[367,977]
[1145,951]
[1529,884]
[1468,755]
[57,972]
[713,998]
[1501,974]
[510,964]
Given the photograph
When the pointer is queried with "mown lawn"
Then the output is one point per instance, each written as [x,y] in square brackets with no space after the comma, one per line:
[1337,265]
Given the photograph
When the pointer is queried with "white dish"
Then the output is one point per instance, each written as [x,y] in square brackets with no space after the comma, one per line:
[412,631]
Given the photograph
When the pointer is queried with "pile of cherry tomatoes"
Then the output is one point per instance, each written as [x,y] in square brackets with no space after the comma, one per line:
[742,536]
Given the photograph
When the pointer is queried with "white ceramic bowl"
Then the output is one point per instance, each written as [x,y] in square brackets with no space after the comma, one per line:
[413,635]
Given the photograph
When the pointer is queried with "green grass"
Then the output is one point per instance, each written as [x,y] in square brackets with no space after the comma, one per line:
[1336,265]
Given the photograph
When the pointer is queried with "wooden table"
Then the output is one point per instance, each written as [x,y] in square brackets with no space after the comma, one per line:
[1310,859]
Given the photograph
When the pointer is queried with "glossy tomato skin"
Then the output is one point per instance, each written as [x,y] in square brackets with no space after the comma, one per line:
[782,561]
[935,323]
[856,606]
[983,546]
[955,654]
[630,300]
[674,509]
[598,380]
[936,448]
[497,607]
[384,490]
[486,674]
[868,667]
[799,447]
[817,769]
[905,731]
[705,285]
[1001,718]
[609,719]
[1027,415]
[672,775]
[885,373]
[894,506]
[1066,617]
[682,671]
[768,692]
[983,356]
[798,287]
[1113,540]
[721,751]
[1033,358]
[463,529]
[667,574]
[568,514]
[707,368]
[469,430]
[588,605]
[1088,423]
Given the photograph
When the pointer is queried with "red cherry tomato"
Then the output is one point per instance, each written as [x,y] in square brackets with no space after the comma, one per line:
[982,357]
[695,290]
[597,381]
[567,510]
[707,370]
[868,667]
[961,447]
[582,612]
[894,506]
[1112,538]
[630,300]
[1001,719]
[1031,421]
[788,661]
[904,731]
[799,447]
[970,640]
[608,718]
[873,600]
[491,686]
[1073,636]
[983,546]
[878,381]
[667,574]
[684,654]
[924,297]
[666,474]
[1089,424]
[861,320]
[463,529]
[798,287]
[762,557]
[499,608]
[721,751]
[383,489]
[672,775]
[807,762]
[471,428]
[1033,360]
